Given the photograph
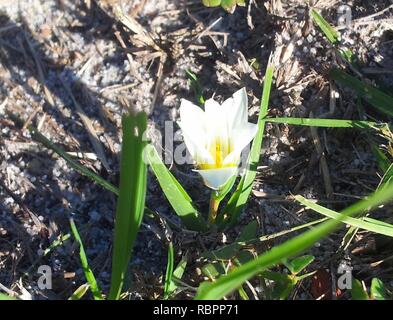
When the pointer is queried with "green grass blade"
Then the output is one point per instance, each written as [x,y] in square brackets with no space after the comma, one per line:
[330,33]
[381,228]
[89,275]
[387,177]
[174,192]
[333,36]
[378,290]
[6,297]
[380,100]
[290,248]
[195,85]
[131,200]
[357,291]
[177,274]
[243,190]
[328,123]
[56,243]
[169,271]
[79,292]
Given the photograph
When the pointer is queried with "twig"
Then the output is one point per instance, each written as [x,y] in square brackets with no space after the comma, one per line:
[89,127]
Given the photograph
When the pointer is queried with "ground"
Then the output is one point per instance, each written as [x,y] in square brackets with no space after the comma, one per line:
[70,68]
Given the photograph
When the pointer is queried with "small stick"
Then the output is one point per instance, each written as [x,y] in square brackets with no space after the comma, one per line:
[89,127]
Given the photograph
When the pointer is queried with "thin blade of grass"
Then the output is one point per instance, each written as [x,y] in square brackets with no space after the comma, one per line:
[79,292]
[89,275]
[290,248]
[131,200]
[333,36]
[193,80]
[327,123]
[169,271]
[174,192]
[243,190]
[380,100]
[330,33]
[380,228]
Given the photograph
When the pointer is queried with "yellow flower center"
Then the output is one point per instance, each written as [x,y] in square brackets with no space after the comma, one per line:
[219,149]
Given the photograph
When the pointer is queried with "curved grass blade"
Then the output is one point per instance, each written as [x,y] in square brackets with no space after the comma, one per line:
[89,275]
[131,200]
[290,248]
[169,271]
[174,192]
[380,228]
[79,292]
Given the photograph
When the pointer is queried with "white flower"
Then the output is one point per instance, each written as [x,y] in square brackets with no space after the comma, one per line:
[216,137]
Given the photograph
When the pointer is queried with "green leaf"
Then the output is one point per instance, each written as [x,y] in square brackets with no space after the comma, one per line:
[243,190]
[228,5]
[211,3]
[375,226]
[6,297]
[283,284]
[297,265]
[169,271]
[89,275]
[374,96]
[329,123]
[357,291]
[283,288]
[326,28]
[177,274]
[249,232]
[333,36]
[243,256]
[131,200]
[230,251]
[224,253]
[234,279]
[213,270]
[79,292]
[174,192]
[221,194]
[378,290]
[193,80]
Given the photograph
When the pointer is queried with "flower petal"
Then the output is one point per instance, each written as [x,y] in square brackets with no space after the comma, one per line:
[241,138]
[195,146]
[216,127]
[237,111]
[193,126]
[216,178]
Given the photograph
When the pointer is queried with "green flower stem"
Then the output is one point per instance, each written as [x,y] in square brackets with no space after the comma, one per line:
[213,207]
